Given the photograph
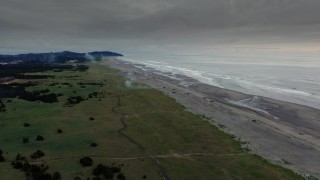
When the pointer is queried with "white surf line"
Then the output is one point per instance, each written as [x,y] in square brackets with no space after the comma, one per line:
[281,128]
[239,103]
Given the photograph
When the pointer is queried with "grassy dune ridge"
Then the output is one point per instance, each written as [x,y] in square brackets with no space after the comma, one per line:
[187,146]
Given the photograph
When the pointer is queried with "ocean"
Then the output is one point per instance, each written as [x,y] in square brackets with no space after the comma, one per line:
[291,78]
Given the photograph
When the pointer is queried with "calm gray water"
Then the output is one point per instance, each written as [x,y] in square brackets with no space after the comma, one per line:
[289,78]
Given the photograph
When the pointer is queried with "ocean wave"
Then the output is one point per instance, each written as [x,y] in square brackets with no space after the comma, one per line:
[241,81]
[233,82]
[208,78]
[173,71]
[281,90]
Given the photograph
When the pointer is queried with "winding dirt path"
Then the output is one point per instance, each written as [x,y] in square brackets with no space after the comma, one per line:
[124,127]
[163,156]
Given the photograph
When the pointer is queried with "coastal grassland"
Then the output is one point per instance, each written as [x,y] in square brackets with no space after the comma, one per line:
[186,146]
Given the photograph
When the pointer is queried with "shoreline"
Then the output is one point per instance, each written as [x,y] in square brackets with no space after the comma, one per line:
[287,135]
[288,93]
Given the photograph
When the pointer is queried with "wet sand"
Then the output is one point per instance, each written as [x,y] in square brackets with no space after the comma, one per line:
[284,133]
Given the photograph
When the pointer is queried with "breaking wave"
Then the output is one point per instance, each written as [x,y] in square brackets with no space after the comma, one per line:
[228,81]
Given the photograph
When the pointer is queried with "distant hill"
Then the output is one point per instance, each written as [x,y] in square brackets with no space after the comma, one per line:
[58,57]
[98,54]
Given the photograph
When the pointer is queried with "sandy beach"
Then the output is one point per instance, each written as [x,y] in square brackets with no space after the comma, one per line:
[284,133]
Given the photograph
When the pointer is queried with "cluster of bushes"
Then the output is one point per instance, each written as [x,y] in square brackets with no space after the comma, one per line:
[44,91]
[71,76]
[53,84]
[91,84]
[73,100]
[23,76]
[39,138]
[108,172]
[46,98]
[86,161]
[17,71]
[101,171]
[66,84]
[12,90]
[81,68]
[96,95]
[15,90]
[26,140]
[34,171]
[38,154]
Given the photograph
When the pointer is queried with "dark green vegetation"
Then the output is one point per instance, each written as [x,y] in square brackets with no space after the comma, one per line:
[35,171]
[58,57]
[99,128]
[18,73]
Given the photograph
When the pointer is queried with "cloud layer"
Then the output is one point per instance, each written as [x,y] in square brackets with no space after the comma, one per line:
[133,24]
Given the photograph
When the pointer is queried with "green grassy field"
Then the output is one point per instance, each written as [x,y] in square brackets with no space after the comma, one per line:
[187,146]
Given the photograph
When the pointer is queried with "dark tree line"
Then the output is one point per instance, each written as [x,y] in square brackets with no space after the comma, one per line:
[15,90]
[18,70]
[57,57]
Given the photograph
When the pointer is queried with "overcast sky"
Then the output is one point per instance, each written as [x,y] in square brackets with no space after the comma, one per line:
[129,26]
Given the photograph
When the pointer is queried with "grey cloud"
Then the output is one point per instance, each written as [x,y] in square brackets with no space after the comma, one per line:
[126,22]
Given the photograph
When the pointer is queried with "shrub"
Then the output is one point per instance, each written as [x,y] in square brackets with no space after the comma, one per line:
[56,176]
[39,138]
[108,174]
[86,161]
[94,144]
[121,176]
[17,165]
[19,157]
[73,100]
[2,159]
[25,140]
[115,169]
[37,154]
